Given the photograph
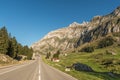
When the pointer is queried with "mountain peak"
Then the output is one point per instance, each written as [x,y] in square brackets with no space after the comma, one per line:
[84,23]
[116,11]
[74,24]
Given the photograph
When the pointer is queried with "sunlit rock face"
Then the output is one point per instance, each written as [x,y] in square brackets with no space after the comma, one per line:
[61,39]
[76,34]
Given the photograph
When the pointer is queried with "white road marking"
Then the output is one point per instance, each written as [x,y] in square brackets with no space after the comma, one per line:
[39,77]
[39,72]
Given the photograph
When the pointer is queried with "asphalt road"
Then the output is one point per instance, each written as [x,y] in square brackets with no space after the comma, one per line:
[33,70]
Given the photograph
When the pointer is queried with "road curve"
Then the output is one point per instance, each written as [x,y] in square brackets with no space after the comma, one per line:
[34,70]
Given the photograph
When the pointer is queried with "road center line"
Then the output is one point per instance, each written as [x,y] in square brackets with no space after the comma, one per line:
[39,72]
[39,77]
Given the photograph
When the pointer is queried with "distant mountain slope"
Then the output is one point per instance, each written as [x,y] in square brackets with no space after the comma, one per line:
[76,34]
[62,39]
[103,25]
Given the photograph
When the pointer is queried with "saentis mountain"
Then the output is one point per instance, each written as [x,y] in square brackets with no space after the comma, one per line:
[77,34]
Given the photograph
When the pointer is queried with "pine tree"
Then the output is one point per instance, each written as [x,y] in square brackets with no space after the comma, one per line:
[28,52]
[13,47]
[48,55]
[3,40]
[20,49]
[56,55]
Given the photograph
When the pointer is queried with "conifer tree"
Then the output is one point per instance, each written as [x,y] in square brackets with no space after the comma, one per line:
[3,40]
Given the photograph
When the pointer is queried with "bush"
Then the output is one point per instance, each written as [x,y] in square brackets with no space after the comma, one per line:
[108,41]
[108,52]
[56,55]
[113,65]
[87,49]
[118,44]
[81,67]
[107,62]
[48,55]
[110,61]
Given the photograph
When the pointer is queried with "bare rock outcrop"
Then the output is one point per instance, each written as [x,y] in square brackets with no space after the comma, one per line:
[77,34]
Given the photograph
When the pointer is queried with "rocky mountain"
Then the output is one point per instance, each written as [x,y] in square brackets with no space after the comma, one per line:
[61,39]
[76,34]
[102,26]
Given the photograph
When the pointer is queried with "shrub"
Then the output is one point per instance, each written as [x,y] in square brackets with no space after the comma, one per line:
[88,49]
[48,55]
[82,67]
[118,44]
[56,55]
[108,52]
[108,41]
[107,62]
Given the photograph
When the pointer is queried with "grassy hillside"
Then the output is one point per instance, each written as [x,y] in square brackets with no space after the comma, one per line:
[102,61]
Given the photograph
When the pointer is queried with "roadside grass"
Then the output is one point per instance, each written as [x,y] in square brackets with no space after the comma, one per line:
[91,59]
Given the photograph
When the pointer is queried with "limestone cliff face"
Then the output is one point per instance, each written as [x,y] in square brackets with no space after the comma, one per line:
[76,34]
[61,39]
[102,25]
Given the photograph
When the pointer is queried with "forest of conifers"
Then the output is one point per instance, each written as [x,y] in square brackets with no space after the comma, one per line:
[9,46]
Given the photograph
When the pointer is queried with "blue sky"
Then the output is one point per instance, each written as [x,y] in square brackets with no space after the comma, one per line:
[30,20]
